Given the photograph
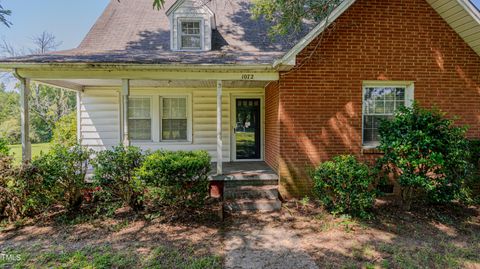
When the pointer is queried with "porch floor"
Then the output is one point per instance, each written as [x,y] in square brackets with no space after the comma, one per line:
[244,171]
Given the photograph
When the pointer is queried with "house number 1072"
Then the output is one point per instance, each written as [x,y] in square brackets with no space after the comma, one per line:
[248,76]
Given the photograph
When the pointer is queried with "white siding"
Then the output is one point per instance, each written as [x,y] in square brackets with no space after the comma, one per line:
[100,124]
[463,17]
[100,119]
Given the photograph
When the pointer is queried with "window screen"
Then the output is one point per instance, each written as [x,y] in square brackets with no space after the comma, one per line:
[174,118]
[139,119]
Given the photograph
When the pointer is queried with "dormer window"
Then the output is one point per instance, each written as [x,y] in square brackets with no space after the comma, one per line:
[190,35]
[191,25]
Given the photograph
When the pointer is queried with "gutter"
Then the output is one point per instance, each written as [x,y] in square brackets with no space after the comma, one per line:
[8,66]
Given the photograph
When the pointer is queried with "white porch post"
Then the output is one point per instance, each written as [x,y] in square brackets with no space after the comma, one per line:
[125,96]
[219,128]
[79,117]
[25,119]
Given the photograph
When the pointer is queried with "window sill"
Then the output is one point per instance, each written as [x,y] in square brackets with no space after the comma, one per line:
[371,150]
[152,143]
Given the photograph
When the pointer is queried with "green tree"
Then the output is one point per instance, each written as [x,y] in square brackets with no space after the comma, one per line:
[4,13]
[427,153]
[65,131]
[9,115]
[286,16]
[48,105]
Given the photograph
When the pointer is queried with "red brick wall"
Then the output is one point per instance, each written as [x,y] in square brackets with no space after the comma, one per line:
[272,134]
[320,101]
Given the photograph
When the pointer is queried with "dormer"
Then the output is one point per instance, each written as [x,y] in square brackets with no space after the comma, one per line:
[191,24]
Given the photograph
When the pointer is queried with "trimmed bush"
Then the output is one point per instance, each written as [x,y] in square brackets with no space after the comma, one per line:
[177,178]
[427,153]
[344,186]
[114,173]
[64,170]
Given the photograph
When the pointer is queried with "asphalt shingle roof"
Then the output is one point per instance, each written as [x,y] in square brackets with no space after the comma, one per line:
[131,31]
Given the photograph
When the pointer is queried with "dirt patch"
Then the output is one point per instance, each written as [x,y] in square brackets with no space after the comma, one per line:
[132,234]
[427,237]
[300,236]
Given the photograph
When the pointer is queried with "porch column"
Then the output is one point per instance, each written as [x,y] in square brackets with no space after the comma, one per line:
[79,117]
[25,118]
[125,96]
[219,128]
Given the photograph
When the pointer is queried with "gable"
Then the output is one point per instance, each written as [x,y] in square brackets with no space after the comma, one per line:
[461,15]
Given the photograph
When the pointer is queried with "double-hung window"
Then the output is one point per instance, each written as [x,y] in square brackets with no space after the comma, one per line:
[174,119]
[380,103]
[190,35]
[140,118]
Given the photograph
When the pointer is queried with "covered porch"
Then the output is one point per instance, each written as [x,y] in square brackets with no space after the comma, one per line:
[103,107]
[244,171]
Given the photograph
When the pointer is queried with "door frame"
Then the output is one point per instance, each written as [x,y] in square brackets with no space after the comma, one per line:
[233,123]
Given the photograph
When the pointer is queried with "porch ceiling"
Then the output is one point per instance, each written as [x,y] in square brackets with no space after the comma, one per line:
[78,84]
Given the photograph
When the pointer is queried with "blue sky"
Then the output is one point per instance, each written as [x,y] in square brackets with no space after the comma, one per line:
[68,20]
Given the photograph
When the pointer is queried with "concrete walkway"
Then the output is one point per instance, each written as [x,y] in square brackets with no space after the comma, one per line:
[264,247]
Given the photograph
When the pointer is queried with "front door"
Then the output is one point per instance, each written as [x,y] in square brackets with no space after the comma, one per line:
[247,129]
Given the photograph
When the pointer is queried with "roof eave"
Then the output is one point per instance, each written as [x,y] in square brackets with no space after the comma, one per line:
[9,66]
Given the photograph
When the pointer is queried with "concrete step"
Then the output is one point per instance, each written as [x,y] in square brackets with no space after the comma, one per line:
[262,205]
[250,182]
[251,192]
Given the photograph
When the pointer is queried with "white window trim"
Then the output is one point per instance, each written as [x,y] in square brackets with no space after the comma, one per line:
[179,33]
[156,110]
[151,116]
[409,99]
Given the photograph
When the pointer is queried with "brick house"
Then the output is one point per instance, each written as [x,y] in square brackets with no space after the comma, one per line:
[206,76]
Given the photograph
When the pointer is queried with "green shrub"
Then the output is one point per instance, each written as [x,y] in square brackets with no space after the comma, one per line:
[65,131]
[10,207]
[427,153]
[473,183]
[177,178]
[64,170]
[114,173]
[23,192]
[4,149]
[344,186]
[10,130]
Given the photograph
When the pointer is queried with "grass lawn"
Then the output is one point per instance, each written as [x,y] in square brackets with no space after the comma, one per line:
[36,149]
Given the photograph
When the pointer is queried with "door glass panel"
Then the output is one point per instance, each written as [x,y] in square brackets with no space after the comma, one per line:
[247,129]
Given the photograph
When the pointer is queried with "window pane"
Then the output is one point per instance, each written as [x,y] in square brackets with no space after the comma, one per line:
[140,129]
[191,28]
[139,108]
[191,42]
[174,129]
[400,94]
[174,108]
[379,107]
[389,107]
